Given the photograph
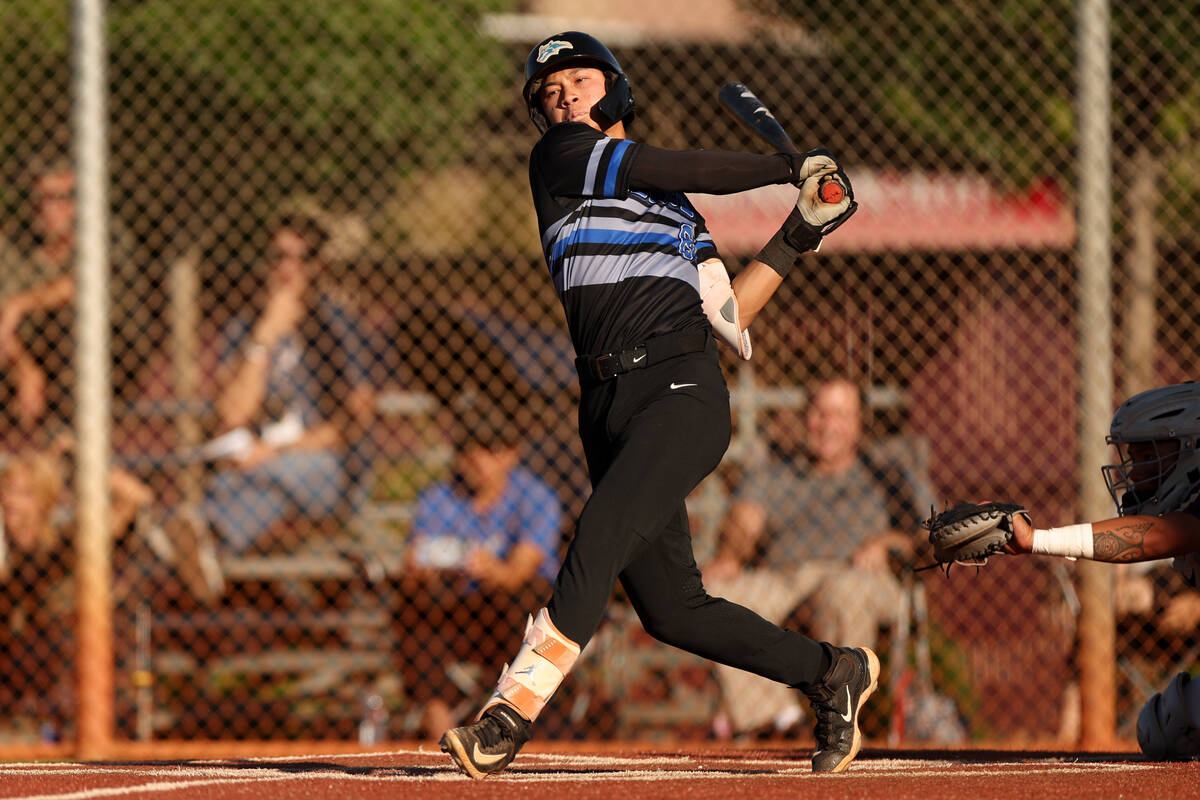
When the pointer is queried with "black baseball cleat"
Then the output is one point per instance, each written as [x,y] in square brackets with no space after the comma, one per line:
[836,700]
[486,747]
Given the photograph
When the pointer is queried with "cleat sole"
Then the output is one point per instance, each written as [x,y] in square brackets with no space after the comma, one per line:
[457,750]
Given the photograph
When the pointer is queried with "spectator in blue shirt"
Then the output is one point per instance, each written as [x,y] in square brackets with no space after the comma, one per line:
[484,545]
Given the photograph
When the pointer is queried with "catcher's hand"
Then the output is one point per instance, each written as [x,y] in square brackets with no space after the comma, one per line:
[968,533]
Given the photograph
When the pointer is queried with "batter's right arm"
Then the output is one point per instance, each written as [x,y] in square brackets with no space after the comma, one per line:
[753,287]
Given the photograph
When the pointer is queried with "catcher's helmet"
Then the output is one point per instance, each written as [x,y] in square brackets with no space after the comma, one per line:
[572,47]
[1164,476]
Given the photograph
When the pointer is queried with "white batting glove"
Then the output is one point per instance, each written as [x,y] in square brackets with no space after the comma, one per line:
[813,163]
[812,218]
[815,211]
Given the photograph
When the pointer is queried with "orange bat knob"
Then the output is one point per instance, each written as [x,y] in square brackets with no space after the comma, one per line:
[831,192]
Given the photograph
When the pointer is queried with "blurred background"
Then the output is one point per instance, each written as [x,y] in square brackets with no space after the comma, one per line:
[342,456]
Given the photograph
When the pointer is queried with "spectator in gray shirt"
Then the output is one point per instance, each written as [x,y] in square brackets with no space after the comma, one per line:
[816,521]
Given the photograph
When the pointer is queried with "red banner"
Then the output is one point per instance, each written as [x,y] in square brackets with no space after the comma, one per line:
[904,212]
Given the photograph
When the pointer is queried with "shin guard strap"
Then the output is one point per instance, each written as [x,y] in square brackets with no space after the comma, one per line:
[545,658]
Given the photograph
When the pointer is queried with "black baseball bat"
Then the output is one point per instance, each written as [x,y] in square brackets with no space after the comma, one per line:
[748,110]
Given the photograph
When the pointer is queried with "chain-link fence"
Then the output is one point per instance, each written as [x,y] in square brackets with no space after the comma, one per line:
[334,346]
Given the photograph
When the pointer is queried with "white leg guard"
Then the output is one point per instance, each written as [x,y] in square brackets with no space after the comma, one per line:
[721,307]
[1166,730]
[545,658]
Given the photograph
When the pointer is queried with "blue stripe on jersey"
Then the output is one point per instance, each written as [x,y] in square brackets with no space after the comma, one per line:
[587,211]
[614,166]
[603,236]
[605,212]
[622,241]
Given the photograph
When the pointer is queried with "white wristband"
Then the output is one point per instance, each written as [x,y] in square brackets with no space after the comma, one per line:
[1072,541]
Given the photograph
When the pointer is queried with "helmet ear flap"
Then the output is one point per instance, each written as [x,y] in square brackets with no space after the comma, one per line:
[539,118]
[617,103]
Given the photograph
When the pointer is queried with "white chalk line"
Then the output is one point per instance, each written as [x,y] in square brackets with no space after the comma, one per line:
[517,777]
[176,785]
[576,768]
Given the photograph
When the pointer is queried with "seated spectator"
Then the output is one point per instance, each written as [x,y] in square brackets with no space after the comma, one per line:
[816,521]
[35,501]
[292,369]
[37,292]
[483,543]
[36,593]
[35,327]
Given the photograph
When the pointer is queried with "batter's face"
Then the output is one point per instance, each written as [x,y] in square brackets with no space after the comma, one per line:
[571,95]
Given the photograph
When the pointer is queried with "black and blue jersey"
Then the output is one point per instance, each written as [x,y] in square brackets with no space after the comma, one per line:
[621,248]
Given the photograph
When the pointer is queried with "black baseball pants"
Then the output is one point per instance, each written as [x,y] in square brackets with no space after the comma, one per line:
[650,436]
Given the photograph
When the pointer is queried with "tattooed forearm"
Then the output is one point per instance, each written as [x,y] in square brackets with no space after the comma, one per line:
[1126,543]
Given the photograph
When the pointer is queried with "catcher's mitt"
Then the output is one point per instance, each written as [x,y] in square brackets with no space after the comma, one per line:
[967,533]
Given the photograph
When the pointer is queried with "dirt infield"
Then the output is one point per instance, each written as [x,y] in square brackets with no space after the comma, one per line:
[632,773]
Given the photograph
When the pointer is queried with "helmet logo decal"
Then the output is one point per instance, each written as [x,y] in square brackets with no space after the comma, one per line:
[552,48]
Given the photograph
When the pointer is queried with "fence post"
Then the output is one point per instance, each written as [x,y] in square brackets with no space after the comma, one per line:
[1097,624]
[94,654]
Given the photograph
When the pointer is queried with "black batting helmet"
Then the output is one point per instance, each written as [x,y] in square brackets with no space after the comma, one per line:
[572,47]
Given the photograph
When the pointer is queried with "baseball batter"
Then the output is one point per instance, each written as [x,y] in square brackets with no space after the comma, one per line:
[644,291]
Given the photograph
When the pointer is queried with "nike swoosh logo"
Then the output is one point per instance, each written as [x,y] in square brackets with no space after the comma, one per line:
[681,385]
[847,716]
[483,759]
[639,358]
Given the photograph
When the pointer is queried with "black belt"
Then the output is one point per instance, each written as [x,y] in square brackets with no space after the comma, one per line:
[604,367]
